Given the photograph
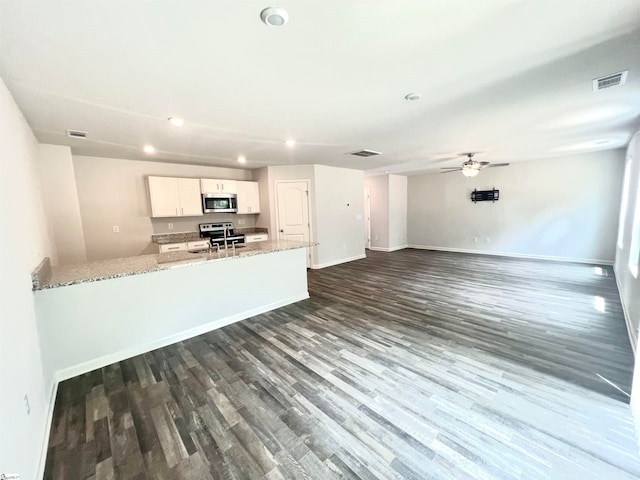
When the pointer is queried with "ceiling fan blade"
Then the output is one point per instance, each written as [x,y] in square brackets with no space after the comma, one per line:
[483,164]
[498,165]
[452,170]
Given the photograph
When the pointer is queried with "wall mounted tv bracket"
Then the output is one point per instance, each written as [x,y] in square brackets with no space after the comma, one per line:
[485,195]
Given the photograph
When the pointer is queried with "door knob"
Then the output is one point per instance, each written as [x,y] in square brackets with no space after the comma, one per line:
[281,231]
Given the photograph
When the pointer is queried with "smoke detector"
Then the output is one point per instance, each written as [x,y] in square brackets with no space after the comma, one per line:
[274,16]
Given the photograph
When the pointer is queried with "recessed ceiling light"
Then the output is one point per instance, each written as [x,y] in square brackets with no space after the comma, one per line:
[290,143]
[242,159]
[274,16]
[412,96]
[176,121]
[149,149]
[603,141]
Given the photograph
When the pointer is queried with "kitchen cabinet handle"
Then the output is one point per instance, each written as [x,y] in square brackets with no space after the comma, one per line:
[176,211]
[181,211]
[173,248]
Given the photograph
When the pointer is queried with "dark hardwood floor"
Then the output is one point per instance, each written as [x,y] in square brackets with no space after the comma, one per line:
[413,364]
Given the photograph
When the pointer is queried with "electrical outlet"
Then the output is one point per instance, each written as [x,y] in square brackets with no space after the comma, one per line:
[487,239]
[170,225]
[376,237]
[475,239]
[116,229]
[26,404]
[241,221]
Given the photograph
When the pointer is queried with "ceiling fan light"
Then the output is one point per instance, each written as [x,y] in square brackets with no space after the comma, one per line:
[470,172]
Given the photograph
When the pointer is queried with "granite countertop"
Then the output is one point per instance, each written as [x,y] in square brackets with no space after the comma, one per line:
[166,238]
[52,277]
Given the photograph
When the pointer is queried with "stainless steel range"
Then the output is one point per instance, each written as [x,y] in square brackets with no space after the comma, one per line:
[221,235]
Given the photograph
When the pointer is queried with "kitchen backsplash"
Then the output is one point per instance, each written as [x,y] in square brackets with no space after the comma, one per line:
[190,224]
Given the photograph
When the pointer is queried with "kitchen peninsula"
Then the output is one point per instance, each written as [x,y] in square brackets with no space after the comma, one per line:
[97,313]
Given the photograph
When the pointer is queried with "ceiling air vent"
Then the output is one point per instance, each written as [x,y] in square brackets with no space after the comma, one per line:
[610,81]
[76,134]
[365,153]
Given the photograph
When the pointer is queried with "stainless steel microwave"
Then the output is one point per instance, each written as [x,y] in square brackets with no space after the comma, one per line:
[219,202]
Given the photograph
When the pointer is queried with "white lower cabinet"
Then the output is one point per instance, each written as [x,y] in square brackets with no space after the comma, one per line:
[184,246]
[256,237]
[199,245]
[174,247]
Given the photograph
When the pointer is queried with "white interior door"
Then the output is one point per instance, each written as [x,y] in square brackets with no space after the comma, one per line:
[292,199]
[367,217]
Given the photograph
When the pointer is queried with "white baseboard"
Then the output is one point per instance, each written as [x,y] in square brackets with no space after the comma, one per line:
[337,262]
[391,249]
[591,261]
[47,432]
[627,318]
[105,360]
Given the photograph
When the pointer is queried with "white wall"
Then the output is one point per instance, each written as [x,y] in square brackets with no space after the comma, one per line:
[339,218]
[90,325]
[388,211]
[289,172]
[397,212]
[263,220]
[563,208]
[61,204]
[25,240]
[114,191]
[379,196]
[628,285]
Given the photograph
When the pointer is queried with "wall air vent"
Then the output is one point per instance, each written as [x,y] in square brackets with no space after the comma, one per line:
[76,134]
[610,81]
[364,153]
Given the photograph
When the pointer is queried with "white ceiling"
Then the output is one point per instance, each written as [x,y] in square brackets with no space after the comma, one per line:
[512,79]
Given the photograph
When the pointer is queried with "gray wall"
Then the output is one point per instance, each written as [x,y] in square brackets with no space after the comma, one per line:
[25,240]
[560,208]
[113,191]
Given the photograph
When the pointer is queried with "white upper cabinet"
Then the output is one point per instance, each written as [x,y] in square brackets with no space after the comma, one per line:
[248,197]
[212,185]
[190,199]
[175,197]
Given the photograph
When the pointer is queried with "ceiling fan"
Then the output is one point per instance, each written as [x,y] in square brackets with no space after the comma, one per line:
[471,167]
